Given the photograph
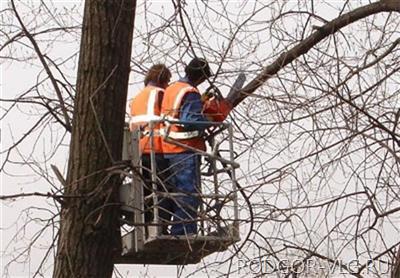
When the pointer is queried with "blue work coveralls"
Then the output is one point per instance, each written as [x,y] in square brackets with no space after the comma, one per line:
[185,169]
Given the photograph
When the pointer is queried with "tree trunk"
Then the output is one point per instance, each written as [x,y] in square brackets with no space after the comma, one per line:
[89,225]
[396,265]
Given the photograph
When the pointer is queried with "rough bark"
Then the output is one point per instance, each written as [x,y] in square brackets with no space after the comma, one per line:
[321,33]
[88,229]
[396,265]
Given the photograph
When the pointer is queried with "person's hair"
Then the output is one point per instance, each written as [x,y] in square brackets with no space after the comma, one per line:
[159,74]
[197,69]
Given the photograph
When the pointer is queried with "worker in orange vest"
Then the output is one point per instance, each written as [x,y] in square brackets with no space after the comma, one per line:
[182,102]
[146,107]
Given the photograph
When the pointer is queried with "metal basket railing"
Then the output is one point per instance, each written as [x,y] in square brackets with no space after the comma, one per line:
[218,212]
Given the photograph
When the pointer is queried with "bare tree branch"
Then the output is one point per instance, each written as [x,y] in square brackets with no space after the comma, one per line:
[323,32]
[67,123]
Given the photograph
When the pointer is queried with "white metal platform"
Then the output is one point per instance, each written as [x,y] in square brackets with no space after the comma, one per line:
[172,250]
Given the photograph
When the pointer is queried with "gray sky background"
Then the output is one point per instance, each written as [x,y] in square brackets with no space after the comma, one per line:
[17,77]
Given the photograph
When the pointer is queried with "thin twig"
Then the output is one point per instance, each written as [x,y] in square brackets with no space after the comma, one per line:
[67,123]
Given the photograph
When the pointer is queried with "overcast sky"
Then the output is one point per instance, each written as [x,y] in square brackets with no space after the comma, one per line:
[17,77]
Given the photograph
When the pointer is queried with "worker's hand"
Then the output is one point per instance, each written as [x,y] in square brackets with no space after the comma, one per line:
[204,97]
[207,95]
[211,92]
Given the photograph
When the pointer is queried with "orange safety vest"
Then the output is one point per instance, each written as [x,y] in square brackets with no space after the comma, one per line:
[170,109]
[146,107]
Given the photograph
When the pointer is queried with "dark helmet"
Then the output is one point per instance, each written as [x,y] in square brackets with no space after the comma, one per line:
[198,68]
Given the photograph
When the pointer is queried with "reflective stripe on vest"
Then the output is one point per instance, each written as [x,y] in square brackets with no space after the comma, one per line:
[180,135]
[172,104]
[144,119]
[179,97]
[144,109]
[149,116]
[152,102]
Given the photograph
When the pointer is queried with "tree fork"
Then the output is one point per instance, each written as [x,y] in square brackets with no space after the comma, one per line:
[89,226]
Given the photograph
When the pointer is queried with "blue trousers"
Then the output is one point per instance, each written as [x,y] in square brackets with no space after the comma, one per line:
[184,169]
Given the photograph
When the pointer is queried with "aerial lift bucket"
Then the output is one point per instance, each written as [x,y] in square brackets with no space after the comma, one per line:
[218,227]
